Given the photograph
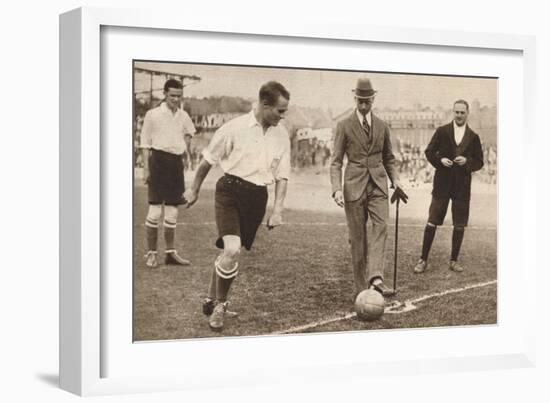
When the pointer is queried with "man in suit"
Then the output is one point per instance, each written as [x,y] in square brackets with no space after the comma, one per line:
[455,152]
[365,140]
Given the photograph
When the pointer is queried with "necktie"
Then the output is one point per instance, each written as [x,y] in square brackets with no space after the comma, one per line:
[366,126]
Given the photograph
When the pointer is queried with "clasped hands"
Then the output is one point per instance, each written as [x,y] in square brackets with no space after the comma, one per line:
[460,160]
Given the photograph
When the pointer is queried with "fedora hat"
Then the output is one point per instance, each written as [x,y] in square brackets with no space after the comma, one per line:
[364,88]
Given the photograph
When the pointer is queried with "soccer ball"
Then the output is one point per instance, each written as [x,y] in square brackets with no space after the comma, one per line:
[369,305]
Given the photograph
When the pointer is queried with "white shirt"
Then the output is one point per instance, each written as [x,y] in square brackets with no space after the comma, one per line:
[360,117]
[165,130]
[242,149]
[459,132]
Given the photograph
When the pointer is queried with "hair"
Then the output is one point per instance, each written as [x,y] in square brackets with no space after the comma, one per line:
[271,91]
[172,83]
[463,102]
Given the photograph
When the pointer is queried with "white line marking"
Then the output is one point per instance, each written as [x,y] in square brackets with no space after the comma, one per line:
[298,329]
[453,291]
[393,308]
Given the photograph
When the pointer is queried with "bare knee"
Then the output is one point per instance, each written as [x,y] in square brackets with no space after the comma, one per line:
[227,263]
[170,216]
[153,216]
[231,247]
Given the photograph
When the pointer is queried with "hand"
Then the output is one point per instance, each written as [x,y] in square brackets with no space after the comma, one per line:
[396,183]
[338,197]
[190,197]
[275,220]
[447,162]
[460,160]
[398,193]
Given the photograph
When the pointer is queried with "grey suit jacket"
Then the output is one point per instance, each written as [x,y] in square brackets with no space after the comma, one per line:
[376,160]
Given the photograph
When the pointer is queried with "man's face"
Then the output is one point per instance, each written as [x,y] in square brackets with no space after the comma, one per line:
[460,114]
[271,115]
[364,105]
[173,97]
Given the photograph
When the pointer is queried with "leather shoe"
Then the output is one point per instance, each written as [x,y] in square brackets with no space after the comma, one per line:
[383,289]
[151,259]
[218,315]
[454,266]
[216,319]
[421,266]
[172,257]
[208,306]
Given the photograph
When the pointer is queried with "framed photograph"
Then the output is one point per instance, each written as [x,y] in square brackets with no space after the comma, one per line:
[298,201]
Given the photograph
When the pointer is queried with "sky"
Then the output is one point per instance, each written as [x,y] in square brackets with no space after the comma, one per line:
[327,89]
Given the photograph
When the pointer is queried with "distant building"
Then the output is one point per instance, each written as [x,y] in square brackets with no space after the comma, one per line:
[424,118]
[310,131]
[416,126]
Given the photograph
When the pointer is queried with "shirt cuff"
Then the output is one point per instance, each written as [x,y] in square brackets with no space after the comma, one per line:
[209,157]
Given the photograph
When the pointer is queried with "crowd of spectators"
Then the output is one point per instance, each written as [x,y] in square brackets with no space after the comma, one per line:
[413,165]
[411,162]
[310,153]
[416,170]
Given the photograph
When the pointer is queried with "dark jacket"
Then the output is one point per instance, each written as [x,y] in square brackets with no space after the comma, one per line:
[373,159]
[456,181]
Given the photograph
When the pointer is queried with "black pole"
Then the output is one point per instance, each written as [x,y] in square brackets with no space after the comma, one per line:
[395,247]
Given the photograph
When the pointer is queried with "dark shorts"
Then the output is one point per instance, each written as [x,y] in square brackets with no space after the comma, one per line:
[166,182]
[240,208]
[460,210]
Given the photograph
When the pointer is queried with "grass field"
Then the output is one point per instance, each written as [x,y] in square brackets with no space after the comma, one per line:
[299,275]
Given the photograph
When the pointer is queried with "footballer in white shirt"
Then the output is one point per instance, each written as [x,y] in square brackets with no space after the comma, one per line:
[253,150]
[164,138]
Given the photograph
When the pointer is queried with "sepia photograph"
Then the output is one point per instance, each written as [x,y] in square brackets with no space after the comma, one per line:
[270,200]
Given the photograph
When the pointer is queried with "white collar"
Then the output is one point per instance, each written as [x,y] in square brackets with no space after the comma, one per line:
[367,116]
[252,121]
[458,128]
[166,109]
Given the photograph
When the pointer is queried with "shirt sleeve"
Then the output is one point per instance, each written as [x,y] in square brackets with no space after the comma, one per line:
[188,126]
[146,130]
[219,146]
[283,169]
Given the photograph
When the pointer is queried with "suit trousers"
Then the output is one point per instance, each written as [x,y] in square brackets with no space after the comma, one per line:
[368,251]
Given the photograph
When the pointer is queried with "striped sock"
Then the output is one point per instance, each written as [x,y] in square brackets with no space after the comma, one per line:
[224,279]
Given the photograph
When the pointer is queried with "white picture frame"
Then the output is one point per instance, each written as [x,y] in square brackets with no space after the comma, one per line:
[83,309]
